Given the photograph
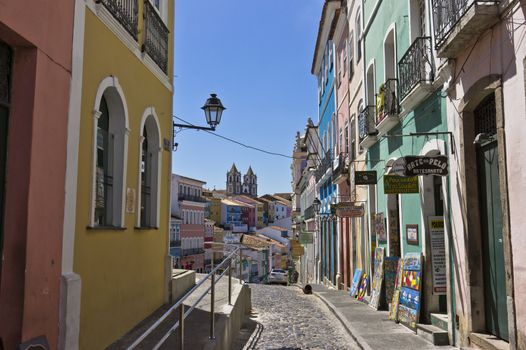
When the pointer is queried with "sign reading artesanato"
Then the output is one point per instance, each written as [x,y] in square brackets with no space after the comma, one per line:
[420,165]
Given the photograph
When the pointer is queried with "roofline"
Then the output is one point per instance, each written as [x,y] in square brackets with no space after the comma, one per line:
[189,178]
[321,27]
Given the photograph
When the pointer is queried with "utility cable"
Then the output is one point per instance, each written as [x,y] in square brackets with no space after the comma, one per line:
[241,143]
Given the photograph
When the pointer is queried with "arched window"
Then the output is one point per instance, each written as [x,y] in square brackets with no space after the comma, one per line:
[110,134]
[149,176]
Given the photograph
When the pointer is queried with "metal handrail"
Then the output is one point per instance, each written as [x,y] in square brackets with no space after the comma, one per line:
[180,303]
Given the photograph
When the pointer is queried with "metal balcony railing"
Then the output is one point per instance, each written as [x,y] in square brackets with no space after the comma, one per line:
[388,101]
[366,121]
[232,262]
[155,36]
[342,166]
[416,66]
[309,213]
[176,243]
[193,251]
[325,164]
[187,197]
[448,13]
[125,12]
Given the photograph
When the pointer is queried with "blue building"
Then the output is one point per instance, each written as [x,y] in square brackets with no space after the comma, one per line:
[323,67]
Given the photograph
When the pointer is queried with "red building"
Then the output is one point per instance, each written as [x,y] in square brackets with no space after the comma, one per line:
[35,72]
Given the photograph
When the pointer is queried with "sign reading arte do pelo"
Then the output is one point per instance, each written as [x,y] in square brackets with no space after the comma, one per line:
[421,165]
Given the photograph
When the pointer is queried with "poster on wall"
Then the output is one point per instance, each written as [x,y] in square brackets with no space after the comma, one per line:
[362,290]
[438,254]
[393,307]
[379,228]
[409,303]
[378,279]
[390,271]
[355,282]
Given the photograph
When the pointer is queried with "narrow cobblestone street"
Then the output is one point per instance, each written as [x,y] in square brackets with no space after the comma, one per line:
[285,318]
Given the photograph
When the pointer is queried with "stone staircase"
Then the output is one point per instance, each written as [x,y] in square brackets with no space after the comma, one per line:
[436,332]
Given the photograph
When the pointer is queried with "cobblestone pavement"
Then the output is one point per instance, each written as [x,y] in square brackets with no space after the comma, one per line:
[285,318]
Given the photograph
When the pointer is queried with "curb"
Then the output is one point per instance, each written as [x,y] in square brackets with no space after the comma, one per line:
[350,329]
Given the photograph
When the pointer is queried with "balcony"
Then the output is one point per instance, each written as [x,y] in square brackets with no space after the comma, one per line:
[187,197]
[366,131]
[193,251]
[155,36]
[416,73]
[340,171]
[176,243]
[324,165]
[387,107]
[310,213]
[125,12]
[458,22]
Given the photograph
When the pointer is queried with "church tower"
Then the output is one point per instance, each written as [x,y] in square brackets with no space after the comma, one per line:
[233,181]
[250,183]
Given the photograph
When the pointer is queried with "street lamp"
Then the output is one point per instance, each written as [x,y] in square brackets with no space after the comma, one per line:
[316,204]
[213,109]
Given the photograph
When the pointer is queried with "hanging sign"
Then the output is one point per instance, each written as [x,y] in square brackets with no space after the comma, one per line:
[420,165]
[365,177]
[438,254]
[306,238]
[349,210]
[396,184]
[297,249]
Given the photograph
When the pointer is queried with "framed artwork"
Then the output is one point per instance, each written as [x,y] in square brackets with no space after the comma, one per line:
[411,234]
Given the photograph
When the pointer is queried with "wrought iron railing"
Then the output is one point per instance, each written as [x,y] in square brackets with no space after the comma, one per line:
[310,213]
[448,13]
[155,36]
[366,123]
[416,66]
[187,197]
[175,243]
[388,99]
[342,166]
[125,12]
[325,164]
[193,251]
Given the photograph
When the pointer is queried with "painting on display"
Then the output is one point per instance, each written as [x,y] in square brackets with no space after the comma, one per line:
[378,279]
[379,228]
[410,293]
[390,271]
[362,291]
[394,234]
[393,307]
[355,282]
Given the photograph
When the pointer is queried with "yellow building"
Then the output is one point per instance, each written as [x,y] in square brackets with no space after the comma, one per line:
[215,209]
[121,112]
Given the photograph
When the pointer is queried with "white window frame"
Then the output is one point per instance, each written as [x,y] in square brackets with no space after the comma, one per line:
[112,91]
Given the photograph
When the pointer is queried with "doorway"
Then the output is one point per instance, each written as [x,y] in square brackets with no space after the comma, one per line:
[5,92]
[491,224]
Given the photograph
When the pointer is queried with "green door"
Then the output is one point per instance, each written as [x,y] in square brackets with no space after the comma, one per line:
[493,249]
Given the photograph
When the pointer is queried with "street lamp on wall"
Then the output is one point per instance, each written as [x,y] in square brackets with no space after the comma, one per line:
[213,109]
[316,204]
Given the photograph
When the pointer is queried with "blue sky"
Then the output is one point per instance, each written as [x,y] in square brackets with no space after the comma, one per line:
[256,55]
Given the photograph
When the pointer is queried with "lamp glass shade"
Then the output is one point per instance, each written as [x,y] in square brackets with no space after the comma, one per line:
[316,203]
[213,110]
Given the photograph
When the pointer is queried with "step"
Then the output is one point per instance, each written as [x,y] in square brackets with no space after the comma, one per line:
[440,321]
[433,334]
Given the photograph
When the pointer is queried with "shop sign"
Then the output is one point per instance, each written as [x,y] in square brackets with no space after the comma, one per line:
[306,238]
[396,184]
[349,210]
[438,254]
[365,177]
[420,165]
[297,249]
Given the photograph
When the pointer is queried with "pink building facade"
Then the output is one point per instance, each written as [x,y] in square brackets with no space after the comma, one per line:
[189,204]
[35,73]
[486,113]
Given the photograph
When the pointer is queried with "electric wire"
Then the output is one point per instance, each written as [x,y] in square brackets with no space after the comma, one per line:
[241,143]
